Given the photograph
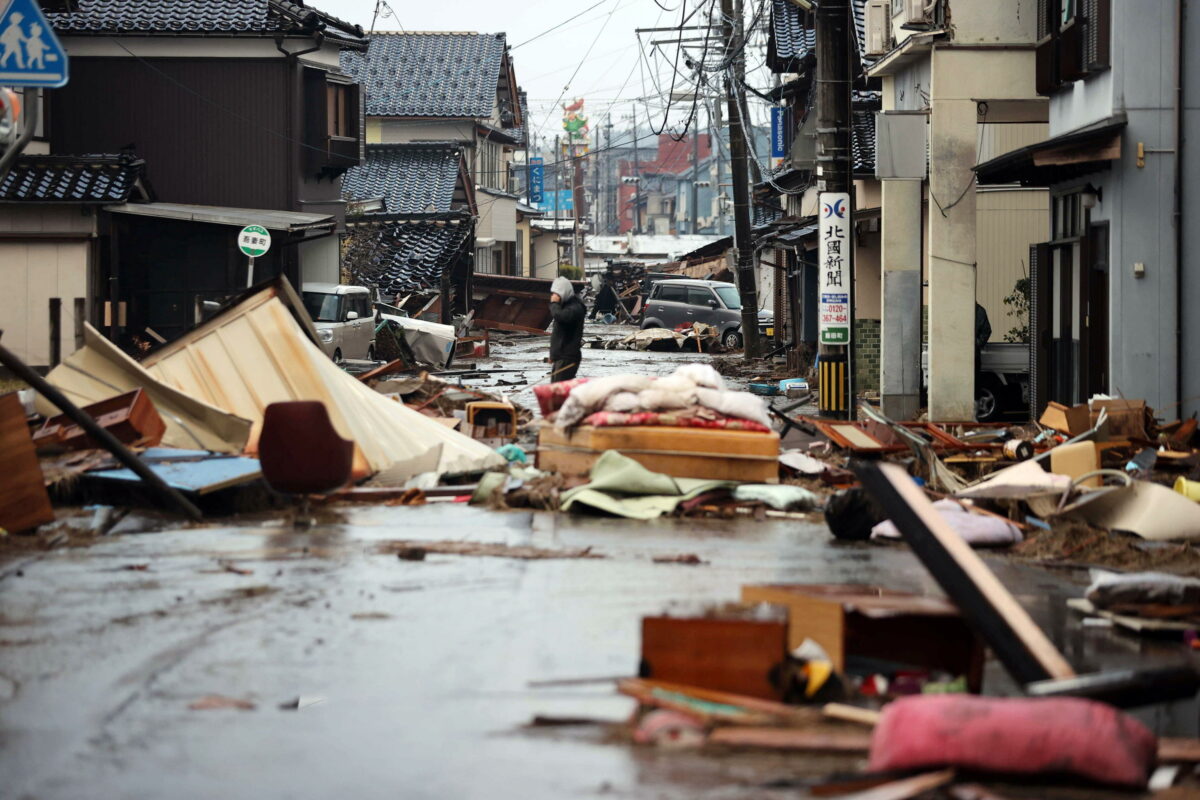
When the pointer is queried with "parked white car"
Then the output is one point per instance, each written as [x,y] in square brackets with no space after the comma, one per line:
[344,319]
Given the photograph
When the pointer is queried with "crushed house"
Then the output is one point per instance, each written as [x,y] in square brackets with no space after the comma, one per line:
[459,88]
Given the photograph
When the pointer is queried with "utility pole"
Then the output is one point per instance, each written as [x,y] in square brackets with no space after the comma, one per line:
[610,181]
[731,35]
[578,200]
[835,186]
[694,200]
[597,200]
[637,178]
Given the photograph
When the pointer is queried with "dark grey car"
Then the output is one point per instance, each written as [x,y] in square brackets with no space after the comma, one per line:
[681,302]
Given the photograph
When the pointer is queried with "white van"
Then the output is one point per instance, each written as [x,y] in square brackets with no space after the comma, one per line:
[344,318]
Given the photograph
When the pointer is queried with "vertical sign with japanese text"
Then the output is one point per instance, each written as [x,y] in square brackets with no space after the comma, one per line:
[537,180]
[833,264]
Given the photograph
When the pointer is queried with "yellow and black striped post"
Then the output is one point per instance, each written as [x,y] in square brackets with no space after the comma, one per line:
[833,397]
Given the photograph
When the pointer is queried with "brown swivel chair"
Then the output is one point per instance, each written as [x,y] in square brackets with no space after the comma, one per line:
[301,452]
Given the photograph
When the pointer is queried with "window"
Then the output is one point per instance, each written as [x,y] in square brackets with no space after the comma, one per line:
[672,294]
[1073,41]
[699,296]
[337,113]
[321,307]
[332,107]
[731,298]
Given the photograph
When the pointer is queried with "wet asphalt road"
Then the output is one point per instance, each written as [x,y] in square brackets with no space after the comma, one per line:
[423,669]
[418,673]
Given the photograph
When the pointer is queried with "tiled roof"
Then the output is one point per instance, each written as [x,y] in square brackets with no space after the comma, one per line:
[862,140]
[792,36]
[413,178]
[71,179]
[201,18]
[429,74]
[519,133]
[404,256]
[764,213]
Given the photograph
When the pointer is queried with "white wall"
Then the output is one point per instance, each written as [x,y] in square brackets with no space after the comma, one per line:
[31,273]
[319,261]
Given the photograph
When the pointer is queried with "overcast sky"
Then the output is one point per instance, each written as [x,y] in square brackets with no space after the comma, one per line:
[610,76]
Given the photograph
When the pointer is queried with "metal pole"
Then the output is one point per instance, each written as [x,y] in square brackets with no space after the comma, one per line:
[99,434]
[833,33]
[731,30]
[249,272]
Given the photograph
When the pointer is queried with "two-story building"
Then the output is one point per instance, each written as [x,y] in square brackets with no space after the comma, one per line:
[235,113]
[957,80]
[452,87]
[1113,286]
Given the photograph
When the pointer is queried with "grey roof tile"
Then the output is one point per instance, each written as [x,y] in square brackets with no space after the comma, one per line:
[200,17]
[410,177]
[792,36]
[862,140]
[62,179]
[429,74]
[402,256]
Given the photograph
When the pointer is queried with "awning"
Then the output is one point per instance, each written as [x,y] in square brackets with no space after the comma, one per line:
[1059,159]
[290,221]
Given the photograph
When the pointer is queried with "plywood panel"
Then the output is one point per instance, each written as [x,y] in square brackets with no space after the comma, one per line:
[24,503]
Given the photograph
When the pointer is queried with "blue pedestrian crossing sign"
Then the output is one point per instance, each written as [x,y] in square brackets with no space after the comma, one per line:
[30,53]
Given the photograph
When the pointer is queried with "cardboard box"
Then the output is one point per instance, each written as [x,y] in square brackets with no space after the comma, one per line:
[1126,418]
[870,622]
[1071,421]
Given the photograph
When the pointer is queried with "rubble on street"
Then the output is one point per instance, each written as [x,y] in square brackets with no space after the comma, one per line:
[385,413]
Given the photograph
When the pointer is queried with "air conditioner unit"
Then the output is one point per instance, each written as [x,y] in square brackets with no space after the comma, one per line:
[879,22]
[914,11]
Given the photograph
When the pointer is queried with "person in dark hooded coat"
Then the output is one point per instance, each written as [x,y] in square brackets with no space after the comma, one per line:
[566,340]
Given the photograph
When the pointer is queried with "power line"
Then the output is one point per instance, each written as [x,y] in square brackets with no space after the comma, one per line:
[559,25]
[579,66]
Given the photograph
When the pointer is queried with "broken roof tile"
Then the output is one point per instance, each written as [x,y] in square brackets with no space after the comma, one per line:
[402,256]
[412,178]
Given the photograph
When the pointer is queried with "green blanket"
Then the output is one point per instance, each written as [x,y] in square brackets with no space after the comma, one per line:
[623,487]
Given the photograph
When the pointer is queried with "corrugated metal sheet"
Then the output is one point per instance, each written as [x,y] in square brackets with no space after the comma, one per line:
[998,139]
[1007,223]
[99,370]
[255,354]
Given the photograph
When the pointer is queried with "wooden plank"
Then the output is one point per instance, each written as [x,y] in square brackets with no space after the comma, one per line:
[848,713]
[804,739]
[1018,642]
[24,503]
[1171,750]
[906,787]
[709,706]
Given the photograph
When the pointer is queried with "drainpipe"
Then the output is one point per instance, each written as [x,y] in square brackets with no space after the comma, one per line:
[1178,210]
